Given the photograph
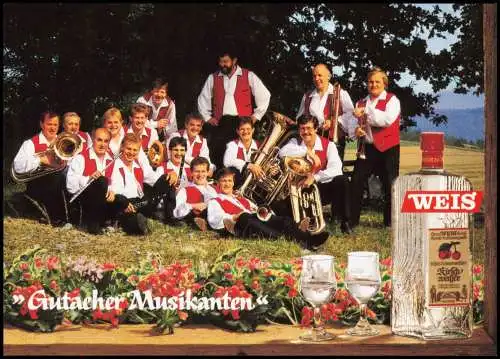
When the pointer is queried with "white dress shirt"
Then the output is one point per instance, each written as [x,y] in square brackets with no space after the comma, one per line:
[318,103]
[377,118]
[152,138]
[172,124]
[160,171]
[260,93]
[231,153]
[75,180]
[130,188]
[204,150]
[182,208]
[26,160]
[333,166]
[216,214]
[116,145]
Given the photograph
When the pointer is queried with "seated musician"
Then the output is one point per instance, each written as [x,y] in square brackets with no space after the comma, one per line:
[93,165]
[196,143]
[71,124]
[191,200]
[138,117]
[46,191]
[237,215]
[238,152]
[161,109]
[327,169]
[174,175]
[127,182]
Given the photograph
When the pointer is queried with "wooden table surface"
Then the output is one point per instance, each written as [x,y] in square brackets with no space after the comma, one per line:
[210,340]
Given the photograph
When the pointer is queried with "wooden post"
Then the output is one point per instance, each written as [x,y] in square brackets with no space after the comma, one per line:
[490,162]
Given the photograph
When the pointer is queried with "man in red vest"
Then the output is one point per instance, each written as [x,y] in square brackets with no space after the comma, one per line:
[319,103]
[229,212]
[227,94]
[93,164]
[381,113]
[327,169]
[71,124]
[138,119]
[47,190]
[162,114]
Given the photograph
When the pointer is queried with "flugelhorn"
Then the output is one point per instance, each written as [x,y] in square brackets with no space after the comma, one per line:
[360,152]
[65,147]
[156,154]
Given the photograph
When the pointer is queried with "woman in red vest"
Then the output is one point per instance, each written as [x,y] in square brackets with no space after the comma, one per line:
[48,189]
[380,114]
[235,214]
[227,94]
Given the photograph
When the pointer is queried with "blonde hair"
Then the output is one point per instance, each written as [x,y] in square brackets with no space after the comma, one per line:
[71,114]
[112,112]
[131,138]
[378,70]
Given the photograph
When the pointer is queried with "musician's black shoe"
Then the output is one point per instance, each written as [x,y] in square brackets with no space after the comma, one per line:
[142,224]
[94,228]
[173,222]
[317,240]
[345,227]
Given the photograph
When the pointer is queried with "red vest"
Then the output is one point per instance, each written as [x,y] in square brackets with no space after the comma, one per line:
[186,170]
[138,174]
[85,136]
[163,110]
[384,137]
[230,208]
[39,147]
[240,155]
[91,166]
[195,150]
[144,139]
[323,154]
[193,195]
[327,110]
[242,95]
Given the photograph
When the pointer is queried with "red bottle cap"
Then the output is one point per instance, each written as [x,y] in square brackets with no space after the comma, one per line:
[432,146]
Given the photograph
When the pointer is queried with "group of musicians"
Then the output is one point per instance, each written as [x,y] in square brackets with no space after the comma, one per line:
[114,178]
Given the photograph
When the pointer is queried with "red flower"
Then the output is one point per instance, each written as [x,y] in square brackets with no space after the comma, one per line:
[228,276]
[26,276]
[53,285]
[227,266]
[240,262]
[255,284]
[235,314]
[38,262]
[253,263]
[477,269]
[182,315]
[52,262]
[289,281]
[268,273]
[386,262]
[74,293]
[108,267]
[292,293]
[23,266]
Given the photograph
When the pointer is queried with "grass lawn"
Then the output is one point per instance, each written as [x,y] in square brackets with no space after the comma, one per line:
[184,243]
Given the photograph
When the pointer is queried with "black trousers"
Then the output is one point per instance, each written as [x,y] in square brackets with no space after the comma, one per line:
[218,137]
[48,191]
[146,205]
[189,219]
[387,164]
[248,225]
[334,193]
[94,205]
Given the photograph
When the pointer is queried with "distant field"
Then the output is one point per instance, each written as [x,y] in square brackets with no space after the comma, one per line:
[465,162]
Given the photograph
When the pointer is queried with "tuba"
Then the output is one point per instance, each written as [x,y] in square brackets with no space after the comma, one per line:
[65,147]
[156,154]
[280,178]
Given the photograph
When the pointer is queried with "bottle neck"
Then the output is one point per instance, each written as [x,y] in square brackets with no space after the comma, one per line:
[432,161]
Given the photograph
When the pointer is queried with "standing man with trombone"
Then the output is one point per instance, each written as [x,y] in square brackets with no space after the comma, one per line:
[378,117]
[331,105]
[38,165]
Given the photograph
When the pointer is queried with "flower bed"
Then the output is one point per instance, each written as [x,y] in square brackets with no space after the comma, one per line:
[230,276]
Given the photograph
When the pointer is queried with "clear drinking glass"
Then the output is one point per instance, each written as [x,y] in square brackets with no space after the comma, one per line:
[362,278]
[318,286]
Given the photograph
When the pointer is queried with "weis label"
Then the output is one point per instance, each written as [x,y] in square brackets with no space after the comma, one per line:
[442,201]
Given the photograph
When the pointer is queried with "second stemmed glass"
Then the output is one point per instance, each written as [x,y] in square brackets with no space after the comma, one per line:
[362,279]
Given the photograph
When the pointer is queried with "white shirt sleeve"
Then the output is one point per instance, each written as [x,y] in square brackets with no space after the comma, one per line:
[292,149]
[261,95]
[154,137]
[216,215]
[182,208]
[333,166]
[230,156]
[75,180]
[205,99]
[301,107]
[347,120]
[172,120]
[205,152]
[116,185]
[26,160]
[150,175]
[385,118]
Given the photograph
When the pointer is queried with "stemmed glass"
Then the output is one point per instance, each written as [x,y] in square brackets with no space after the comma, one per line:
[318,285]
[362,279]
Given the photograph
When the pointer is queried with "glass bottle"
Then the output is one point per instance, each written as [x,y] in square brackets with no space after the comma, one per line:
[432,264]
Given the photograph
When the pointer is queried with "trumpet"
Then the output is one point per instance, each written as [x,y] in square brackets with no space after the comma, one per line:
[360,152]
[65,147]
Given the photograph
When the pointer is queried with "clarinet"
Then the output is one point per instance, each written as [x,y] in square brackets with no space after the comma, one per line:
[181,167]
[143,202]
[75,196]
